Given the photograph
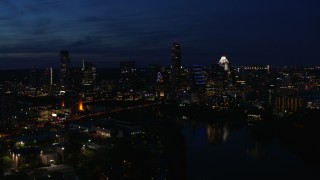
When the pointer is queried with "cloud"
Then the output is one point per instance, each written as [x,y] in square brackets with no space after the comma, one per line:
[42,26]
[9,11]
[42,6]
[144,29]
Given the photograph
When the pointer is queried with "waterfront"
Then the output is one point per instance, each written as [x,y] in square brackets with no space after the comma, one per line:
[218,150]
[185,143]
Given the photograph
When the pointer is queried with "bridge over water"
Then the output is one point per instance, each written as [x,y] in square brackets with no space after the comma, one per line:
[91,115]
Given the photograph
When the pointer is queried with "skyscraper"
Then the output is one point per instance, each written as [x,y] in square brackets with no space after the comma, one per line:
[199,84]
[160,88]
[223,62]
[47,80]
[88,80]
[175,65]
[128,79]
[64,70]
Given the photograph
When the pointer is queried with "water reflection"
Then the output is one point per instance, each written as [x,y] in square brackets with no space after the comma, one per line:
[216,132]
[255,151]
[205,132]
[217,149]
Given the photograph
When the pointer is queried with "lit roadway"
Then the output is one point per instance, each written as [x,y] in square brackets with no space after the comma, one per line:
[98,114]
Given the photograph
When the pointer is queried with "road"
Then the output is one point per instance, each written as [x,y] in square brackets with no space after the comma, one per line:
[98,114]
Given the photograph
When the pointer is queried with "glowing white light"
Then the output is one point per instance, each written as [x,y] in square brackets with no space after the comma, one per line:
[223,60]
[224,63]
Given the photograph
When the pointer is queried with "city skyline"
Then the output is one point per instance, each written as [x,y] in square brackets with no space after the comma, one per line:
[107,32]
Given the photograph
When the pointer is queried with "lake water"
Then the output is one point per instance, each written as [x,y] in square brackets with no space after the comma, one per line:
[218,149]
[215,150]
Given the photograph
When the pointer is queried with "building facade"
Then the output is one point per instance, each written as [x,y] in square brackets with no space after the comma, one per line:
[175,65]
[64,75]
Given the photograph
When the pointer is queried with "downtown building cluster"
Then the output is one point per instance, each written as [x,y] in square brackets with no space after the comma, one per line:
[45,116]
[218,86]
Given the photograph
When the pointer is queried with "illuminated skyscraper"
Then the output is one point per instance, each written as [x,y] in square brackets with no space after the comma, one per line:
[224,63]
[64,76]
[88,80]
[175,65]
[160,88]
[216,78]
[128,75]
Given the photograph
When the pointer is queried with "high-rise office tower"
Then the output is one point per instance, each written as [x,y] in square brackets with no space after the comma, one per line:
[128,80]
[88,80]
[160,87]
[175,65]
[64,76]
[223,62]
[127,75]
[199,83]
[198,75]
[46,80]
[216,78]
[34,78]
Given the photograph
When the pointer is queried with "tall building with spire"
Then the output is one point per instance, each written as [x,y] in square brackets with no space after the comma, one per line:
[64,75]
[223,62]
[88,80]
[175,65]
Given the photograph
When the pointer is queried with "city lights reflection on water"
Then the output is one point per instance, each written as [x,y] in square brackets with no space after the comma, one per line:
[215,150]
[216,133]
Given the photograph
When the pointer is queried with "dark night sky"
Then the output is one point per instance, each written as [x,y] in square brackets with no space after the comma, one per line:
[275,32]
